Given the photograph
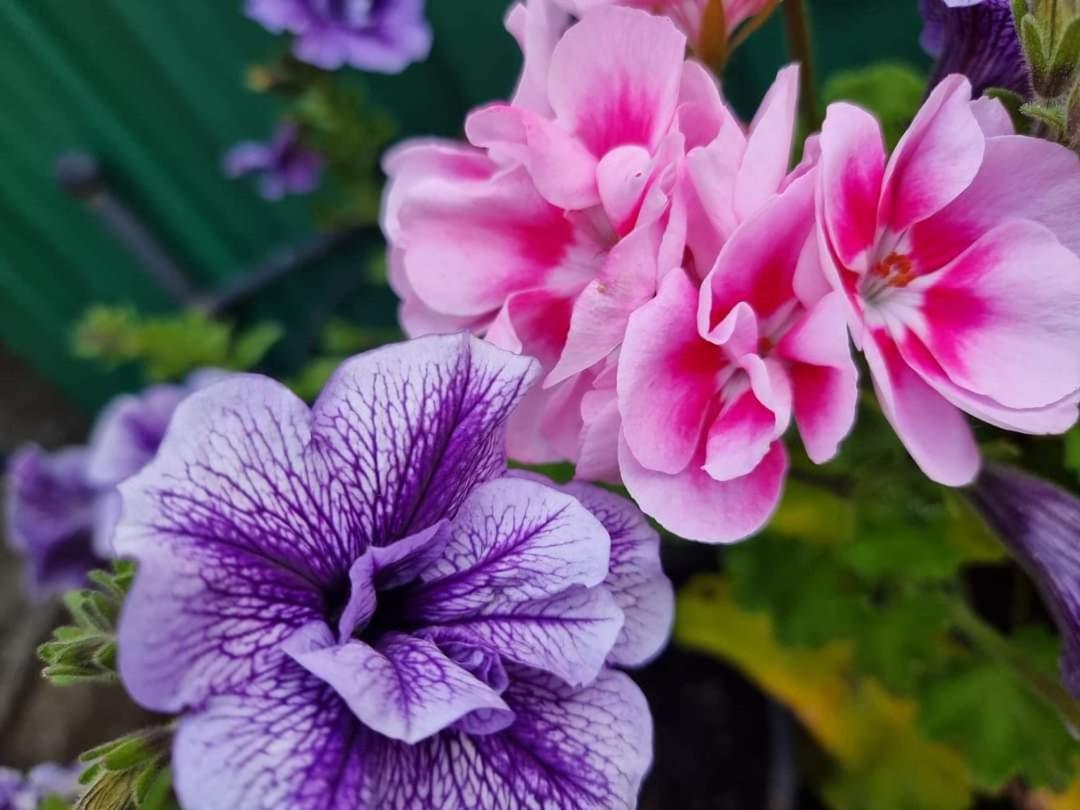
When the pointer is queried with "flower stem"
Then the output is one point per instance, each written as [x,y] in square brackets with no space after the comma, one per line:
[986,639]
[798,34]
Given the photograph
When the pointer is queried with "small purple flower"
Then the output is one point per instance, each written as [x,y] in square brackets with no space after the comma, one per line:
[978,39]
[356,606]
[51,514]
[62,506]
[19,791]
[384,36]
[284,165]
[1040,524]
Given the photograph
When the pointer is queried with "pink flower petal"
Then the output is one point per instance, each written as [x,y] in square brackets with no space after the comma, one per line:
[933,431]
[824,378]
[852,170]
[693,505]
[740,437]
[471,244]
[1047,191]
[768,147]
[1002,318]
[936,159]
[614,78]
[667,378]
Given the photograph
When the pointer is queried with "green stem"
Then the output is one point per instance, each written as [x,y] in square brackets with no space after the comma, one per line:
[993,645]
[799,43]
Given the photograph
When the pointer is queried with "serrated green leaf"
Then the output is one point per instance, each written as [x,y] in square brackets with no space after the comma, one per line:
[904,641]
[1003,730]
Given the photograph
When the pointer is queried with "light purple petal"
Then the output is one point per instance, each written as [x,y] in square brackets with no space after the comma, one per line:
[128,433]
[636,578]
[404,688]
[411,429]
[584,749]
[280,15]
[292,743]
[50,516]
[513,541]
[1040,524]
[247,157]
[569,635]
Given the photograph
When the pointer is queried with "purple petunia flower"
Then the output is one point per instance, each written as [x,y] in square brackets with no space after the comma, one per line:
[62,506]
[51,514]
[1040,524]
[284,165]
[356,606]
[978,39]
[384,36]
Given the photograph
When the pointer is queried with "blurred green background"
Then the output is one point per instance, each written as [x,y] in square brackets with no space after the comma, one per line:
[155,90]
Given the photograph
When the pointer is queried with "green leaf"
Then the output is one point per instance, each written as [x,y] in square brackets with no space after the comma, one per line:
[892,91]
[172,346]
[1034,39]
[1003,730]
[1062,73]
[905,640]
[85,651]
[130,773]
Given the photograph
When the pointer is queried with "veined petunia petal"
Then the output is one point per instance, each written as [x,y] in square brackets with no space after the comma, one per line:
[512,541]
[403,687]
[936,159]
[410,429]
[291,743]
[585,749]
[635,578]
[1040,523]
[697,507]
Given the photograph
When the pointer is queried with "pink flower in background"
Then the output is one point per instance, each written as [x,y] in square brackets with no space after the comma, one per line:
[687,14]
[957,259]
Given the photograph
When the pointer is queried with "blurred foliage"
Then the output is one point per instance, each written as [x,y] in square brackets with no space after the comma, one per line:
[852,610]
[891,90]
[336,120]
[85,650]
[130,773]
[171,346]
[339,341]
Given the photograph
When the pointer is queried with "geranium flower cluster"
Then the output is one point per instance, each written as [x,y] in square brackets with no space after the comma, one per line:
[62,506]
[690,294]
[356,605]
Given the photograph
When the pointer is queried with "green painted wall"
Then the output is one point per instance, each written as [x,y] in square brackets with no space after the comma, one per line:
[154,88]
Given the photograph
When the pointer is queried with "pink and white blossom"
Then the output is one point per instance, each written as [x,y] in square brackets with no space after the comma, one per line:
[957,258]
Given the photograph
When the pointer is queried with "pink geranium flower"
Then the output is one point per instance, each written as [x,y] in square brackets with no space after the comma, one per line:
[957,258]
[555,224]
[710,378]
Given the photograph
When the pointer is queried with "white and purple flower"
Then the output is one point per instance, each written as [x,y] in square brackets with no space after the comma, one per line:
[357,606]
[384,36]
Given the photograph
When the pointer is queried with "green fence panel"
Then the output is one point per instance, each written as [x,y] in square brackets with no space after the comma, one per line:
[155,90]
